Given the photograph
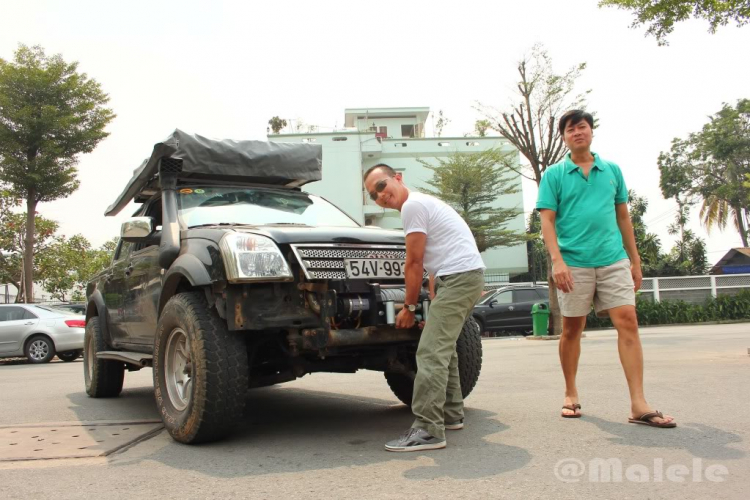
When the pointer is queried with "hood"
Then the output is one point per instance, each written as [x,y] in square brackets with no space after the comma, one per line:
[283,234]
[299,234]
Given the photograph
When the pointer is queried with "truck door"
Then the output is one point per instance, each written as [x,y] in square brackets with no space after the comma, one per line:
[115,293]
[144,283]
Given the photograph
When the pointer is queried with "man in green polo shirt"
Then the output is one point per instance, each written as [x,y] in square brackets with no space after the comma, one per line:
[585,223]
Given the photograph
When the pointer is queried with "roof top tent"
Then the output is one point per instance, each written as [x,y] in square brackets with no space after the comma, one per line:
[193,157]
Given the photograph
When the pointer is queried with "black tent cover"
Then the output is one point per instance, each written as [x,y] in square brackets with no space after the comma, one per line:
[278,163]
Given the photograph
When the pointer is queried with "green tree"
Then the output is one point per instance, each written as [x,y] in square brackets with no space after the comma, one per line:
[535,250]
[61,266]
[661,15]
[648,244]
[442,122]
[688,255]
[71,263]
[530,125]
[7,262]
[481,127]
[277,124]
[711,165]
[49,114]
[12,248]
[471,183]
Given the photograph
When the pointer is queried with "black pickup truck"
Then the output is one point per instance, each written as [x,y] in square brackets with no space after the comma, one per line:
[230,277]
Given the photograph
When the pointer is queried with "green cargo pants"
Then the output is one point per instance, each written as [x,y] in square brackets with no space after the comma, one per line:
[437,388]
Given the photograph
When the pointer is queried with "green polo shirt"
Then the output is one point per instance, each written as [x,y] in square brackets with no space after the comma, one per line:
[586,223]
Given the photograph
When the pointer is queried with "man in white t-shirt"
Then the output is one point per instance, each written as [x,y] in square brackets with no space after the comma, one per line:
[438,240]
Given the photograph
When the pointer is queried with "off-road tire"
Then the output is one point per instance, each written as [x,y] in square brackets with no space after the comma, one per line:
[218,371]
[69,355]
[103,377]
[402,385]
[469,350]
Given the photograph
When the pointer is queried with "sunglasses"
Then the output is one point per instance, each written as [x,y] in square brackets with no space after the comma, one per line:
[379,187]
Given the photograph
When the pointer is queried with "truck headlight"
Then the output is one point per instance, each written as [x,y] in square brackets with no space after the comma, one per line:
[250,257]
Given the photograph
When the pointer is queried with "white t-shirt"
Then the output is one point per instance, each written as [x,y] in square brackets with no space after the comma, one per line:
[450,246]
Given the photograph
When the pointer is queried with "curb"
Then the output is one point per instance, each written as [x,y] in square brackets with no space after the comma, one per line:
[549,337]
[727,322]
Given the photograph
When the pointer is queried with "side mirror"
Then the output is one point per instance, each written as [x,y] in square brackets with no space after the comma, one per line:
[137,229]
[492,303]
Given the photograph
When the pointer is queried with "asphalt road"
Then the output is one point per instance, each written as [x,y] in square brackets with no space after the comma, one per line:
[322,436]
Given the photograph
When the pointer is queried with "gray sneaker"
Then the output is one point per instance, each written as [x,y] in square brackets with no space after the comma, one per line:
[415,440]
[454,426]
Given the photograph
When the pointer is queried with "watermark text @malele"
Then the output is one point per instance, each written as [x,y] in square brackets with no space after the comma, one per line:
[612,470]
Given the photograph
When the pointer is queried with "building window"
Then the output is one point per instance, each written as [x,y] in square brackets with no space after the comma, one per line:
[381,133]
[407,131]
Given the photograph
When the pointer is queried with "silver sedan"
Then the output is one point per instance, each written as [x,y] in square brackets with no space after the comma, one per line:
[39,332]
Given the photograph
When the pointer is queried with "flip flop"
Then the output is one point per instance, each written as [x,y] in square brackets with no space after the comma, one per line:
[573,408]
[645,419]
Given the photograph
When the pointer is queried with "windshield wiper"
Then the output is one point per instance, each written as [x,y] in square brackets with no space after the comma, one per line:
[221,224]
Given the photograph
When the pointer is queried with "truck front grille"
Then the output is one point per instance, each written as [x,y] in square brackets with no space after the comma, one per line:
[327,261]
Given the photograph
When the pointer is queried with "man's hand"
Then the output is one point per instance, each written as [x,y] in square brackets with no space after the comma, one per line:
[405,319]
[562,276]
[635,271]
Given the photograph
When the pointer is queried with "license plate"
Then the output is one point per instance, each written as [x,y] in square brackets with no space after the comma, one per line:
[374,268]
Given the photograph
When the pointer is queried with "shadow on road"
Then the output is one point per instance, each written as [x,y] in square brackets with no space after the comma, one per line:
[132,404]
[699,440]
[294,430]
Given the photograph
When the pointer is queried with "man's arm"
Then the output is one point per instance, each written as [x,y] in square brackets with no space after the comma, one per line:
[560,272]
[415,245]
[628,239]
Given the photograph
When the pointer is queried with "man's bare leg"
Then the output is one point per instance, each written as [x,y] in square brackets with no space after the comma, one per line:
[570,352]
[625,321]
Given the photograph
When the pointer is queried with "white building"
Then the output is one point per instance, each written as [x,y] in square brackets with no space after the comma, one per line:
[395,136]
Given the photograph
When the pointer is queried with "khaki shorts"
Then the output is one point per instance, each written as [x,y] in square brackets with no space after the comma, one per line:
[607,287]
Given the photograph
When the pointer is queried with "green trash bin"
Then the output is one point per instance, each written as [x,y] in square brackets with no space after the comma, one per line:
[540,318]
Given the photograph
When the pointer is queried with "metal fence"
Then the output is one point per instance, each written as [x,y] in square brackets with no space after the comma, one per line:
[693,289]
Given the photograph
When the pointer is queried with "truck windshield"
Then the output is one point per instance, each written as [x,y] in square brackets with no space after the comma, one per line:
[200,206]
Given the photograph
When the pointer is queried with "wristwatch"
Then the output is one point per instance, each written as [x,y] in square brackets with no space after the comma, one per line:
[410,307]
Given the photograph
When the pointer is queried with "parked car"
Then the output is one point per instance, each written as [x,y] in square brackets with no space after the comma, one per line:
[230,277]
[508,309]
[39,332]
[74,308]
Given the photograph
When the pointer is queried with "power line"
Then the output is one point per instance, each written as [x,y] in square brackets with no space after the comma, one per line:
[662,216]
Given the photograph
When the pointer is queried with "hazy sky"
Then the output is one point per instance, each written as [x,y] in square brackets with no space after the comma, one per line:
[222,69]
